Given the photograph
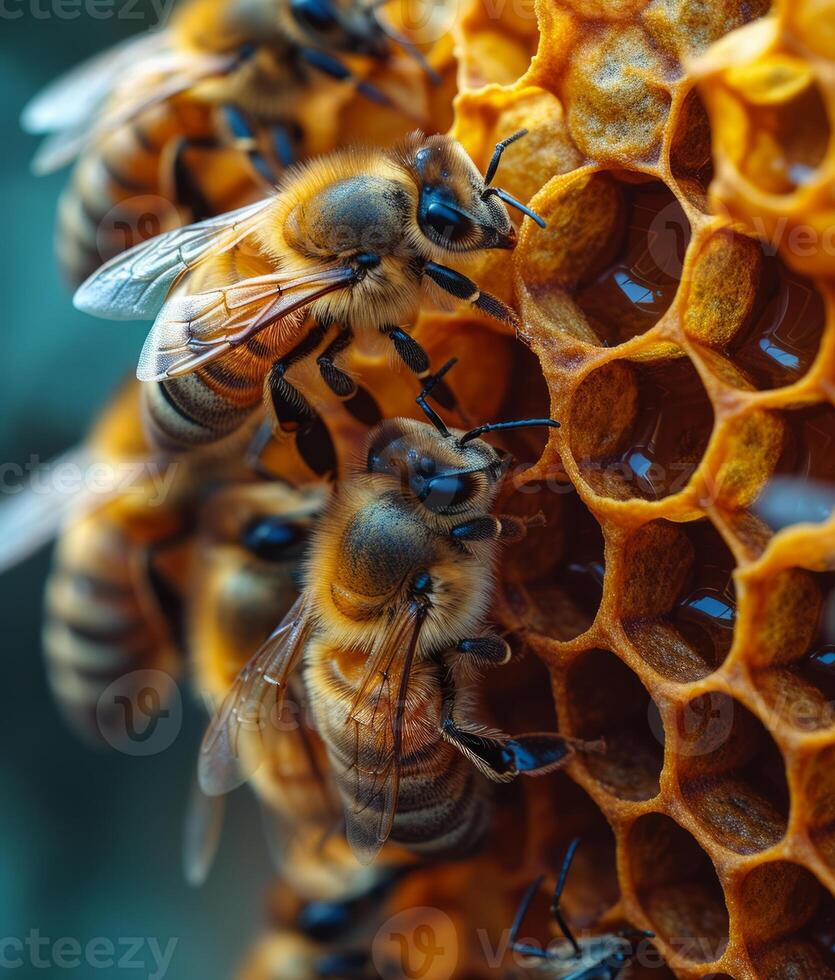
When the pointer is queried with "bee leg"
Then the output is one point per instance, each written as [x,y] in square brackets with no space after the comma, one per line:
[521,912]
[292,410]
[513,529]
[486,651]
[461,287]
[417,361]
[340,383]
[178,179]
[501,757]
[334,68]
[245,139]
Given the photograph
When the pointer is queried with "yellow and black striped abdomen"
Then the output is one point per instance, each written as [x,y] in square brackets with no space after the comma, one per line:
[210,403]
[443,806]
[164,169]
[100,625]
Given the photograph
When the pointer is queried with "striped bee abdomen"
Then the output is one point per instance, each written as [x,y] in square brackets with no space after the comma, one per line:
[443,805]
[100,626]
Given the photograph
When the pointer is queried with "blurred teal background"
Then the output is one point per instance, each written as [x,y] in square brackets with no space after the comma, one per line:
[90,842]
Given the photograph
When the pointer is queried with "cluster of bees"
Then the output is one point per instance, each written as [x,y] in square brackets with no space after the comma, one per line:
[322,562]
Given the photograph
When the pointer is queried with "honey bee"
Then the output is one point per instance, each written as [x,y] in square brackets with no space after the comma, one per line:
[395,590]
[604,957]
[349,239]
[112,602]
[154,118]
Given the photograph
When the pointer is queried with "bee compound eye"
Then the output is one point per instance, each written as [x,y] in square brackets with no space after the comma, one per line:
[446,222]
[314,14]
[272,538]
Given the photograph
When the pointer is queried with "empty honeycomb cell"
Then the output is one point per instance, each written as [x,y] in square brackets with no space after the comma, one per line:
[797,942]
[640,428]
[617,103]
[556,583]
[819,797]
[677,887]
[678,606]
[606,699]
[731,773]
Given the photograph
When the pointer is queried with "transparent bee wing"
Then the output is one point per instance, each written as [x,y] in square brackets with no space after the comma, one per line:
[193,330]
[36,514]
[144,86]
[134,284]
[253,712]
[201,834]
[370,787]
[72,98]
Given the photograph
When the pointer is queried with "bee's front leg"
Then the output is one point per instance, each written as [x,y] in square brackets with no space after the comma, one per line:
[500,757]
[505,528]
[417,361]
[461,287]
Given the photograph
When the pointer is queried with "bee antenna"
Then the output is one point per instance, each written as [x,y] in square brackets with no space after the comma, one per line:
[496,159]
[499,426]
[428,411]
[510,200]
[405,43]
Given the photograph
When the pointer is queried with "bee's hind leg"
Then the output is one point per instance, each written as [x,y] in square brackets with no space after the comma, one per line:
[417,361]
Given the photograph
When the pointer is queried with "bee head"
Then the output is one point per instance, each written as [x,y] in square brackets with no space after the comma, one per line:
[340,25]
[458,209]
[450,473]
